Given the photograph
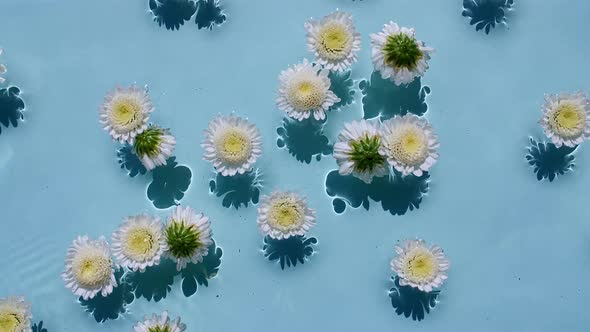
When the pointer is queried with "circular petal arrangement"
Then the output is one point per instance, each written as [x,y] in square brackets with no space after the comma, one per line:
[160,323]
[284,214]
[420,266]
[566,118]
[15,315]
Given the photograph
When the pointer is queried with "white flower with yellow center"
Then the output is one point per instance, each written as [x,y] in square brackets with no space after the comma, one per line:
[154,146]
[334,41]
[357,151]
[284,214]
[15,315]
[305,91]
[232,144]
[409,144]
[89,268]
[188,236]
[420,266]
[566,118]
[2,69]
[139,242]
[159,323]
[125,113]
[398,55]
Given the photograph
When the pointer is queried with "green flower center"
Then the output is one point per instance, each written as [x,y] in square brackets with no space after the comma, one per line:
[148,142]
[92,270]
[365,153]
[9,322]
[160,329]
[402,51]
[568,120]
[183,241]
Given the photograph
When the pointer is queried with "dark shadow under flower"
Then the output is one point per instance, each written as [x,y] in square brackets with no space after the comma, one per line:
[172,13]
[38,327]
[289,251]
[485,14]
[343,87]
[155,282]
[113,305]
[237,190]
[169,184]
[199,274]
[409,301]
[11,107]
[383,99]
[209,14]
[129,161]
[548,161]
[304,139]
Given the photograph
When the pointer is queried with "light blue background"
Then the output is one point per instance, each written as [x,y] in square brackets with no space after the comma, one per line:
[519,248]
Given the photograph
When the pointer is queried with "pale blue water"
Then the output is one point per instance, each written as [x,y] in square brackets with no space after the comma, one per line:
[519,248]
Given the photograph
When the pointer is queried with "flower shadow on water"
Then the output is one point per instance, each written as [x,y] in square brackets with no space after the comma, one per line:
[485,14]
[38,327]
[155,282]
[113,305]
[289,251]
[172,13]
[237,190]
[130,162]
[548,161]
[383,99]
[209,14]
[11,107]
[304,139]
[343,86]
[397,194]
[199,274]
[409,301]
[169,184]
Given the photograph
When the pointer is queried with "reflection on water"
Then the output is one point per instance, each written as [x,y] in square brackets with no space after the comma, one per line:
[304,139]
[169,184]
[343,87]
[209,14]
[409,301]
[38,327]
[11,107]
[129,161]
[199,274]
[289,251]
[548,161]
[172,13]
[112,305]
[485,14]
[237,190]
[155,283]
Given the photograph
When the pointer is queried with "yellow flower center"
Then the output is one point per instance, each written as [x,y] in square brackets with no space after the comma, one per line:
[9,322]
[286,214]
[126,113]
[334,41]
[568,120]
[410,147]
[140,244]
[92,270]
[306,95]
[420,266]
[234,146]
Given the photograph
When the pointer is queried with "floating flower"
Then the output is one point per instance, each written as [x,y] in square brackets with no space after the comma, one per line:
[284,214]
[409,144]
[154,146]
[398,55]
[232,144]
[566,118]
[304,91]
[188,236]
[2,69]
[420,266]
[334,41]
[161,323]
[357,151]
[125,113]
[89,268]
[15,315]
[139,242]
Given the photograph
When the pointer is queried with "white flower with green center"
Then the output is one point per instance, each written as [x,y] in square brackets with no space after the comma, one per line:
[15,315]
[2,69]
[398,55]
[232,145]
[357,151]
[159,323]
[420,266]
[188,236]
[139,242]
[409,144]
[334,41]
[304,91]
[284,214]
[566,118]
[125,113]
[89,268]
[154,146]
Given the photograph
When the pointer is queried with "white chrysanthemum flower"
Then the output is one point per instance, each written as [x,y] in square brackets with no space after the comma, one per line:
[305,91]
[284,214]
[334,41]
[2,69]
[139,242]
[357,151]
[154,146]
[232,144]
[89,268]
[188,236]
[566,118]
[398,55]
[409,144]
[125,113]
[161,323]
[420,266]
[15,315]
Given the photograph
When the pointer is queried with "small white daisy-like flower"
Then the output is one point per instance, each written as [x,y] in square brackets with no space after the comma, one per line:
[154,146]
[139,242]
[420,266]
[125,113]
[357,151]
[188,236]
[159,323]
[334,41]
[232,144]
[409,144]
[398,55]
[566,118]
[284,214]
[89,268]
[305,91]
[15,315]
[2,69]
